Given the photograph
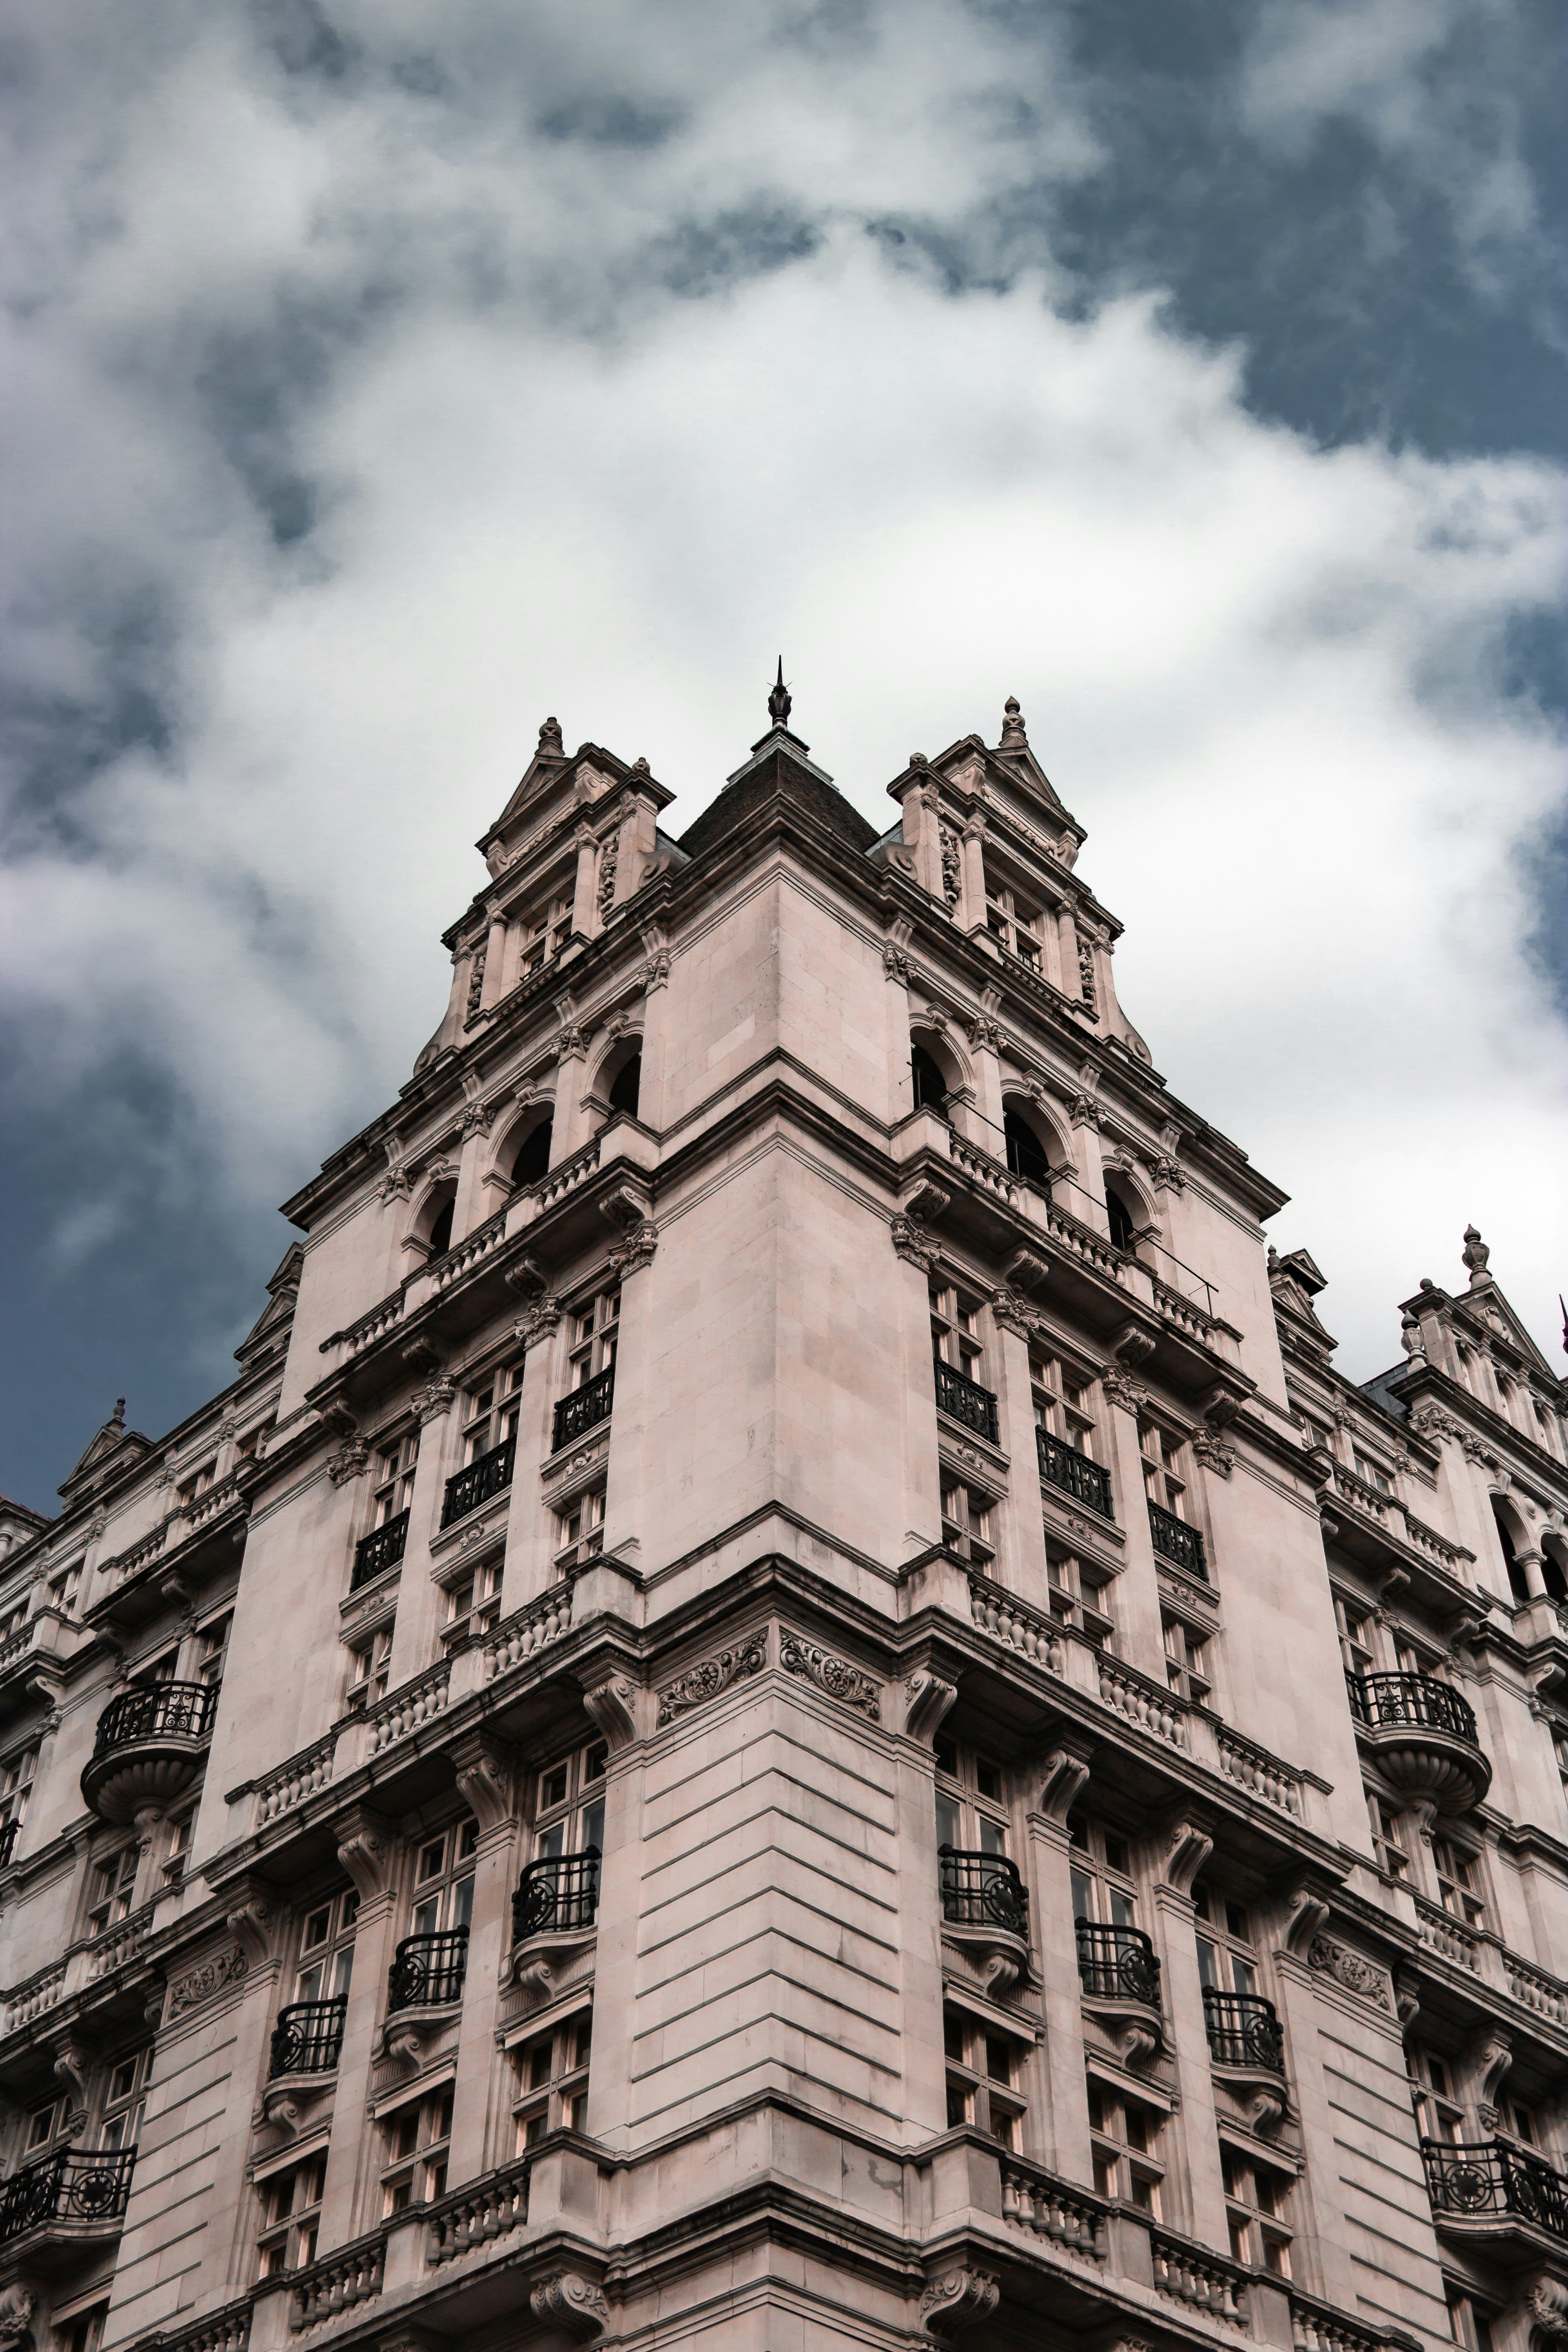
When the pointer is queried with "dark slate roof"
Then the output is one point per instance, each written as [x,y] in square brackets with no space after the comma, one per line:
[777,773]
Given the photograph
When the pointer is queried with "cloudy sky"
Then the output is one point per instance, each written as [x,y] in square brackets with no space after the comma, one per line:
[385,375]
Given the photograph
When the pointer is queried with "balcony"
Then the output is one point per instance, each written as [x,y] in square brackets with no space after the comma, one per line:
[1492,2181]
[1062,1466]
[70,2196]
[981,1890]
[1243,2030]
[1424,1736]
[583,1409]
[490,1474]
[964,1400]
[557,1897]
[1174,1541]
[308,2037]
[1117,1964]
[427,1971]
[148,1748]
[383,1548]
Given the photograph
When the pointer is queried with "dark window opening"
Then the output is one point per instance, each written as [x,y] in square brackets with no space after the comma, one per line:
[1122,1225]
[931,1086]
[627,1083]
[533,1160]
[440,1239]
[1518,1583]
[1026,1153]
[1551,1576]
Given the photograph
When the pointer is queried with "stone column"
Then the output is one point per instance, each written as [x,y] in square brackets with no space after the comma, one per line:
[1066,952]
[923,1484]
[1022,1554]
[495,959]
[1317,2227]
[368,1850]
[1135,1596]
[1088,1203]
[584,913]
[628,1419]
[651,1107]
[973,904]
[527,1569]
[571,1127]
[1191,2148]
[985,1045]
[418,1615]
[1060,2139]
[485,1778]
[622,1717]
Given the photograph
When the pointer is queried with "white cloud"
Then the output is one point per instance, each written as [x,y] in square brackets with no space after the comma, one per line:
[1265,677]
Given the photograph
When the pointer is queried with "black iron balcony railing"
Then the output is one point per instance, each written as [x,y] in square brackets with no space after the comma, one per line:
[1493,2177]
[1417,1701]
[981,1890]
[9,1833]
[478,1482]
[427,1971]
[75,2185]
[383,1548]
[557,1895]
[308,2036]
[583,1409]
[1178,1542]
[1116,1963]
[966,1401]
[1243,2030]
[1064,1466]
[156,1711]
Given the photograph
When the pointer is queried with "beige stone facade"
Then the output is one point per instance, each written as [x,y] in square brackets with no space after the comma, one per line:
[736,1733]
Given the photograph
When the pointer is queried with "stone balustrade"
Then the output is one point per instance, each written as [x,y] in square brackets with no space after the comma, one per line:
[478,2216]
[1192,2275]
[299,1778]
[338,2283]
[528,1631]
[1142,1702]
[1029,1631]
[1034,2200]
[1316,2327]
[403,1711]
[1261,1774]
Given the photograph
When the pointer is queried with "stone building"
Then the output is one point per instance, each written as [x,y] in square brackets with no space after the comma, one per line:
[787,1706]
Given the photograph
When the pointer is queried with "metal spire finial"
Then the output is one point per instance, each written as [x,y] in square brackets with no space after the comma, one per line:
[778,700]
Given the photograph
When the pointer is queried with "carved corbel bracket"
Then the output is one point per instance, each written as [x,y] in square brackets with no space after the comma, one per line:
[482,1769]
[402,2047]
[927,1699]
[611,1703]
[367,1848]
[570,2301]
[1266,2112]
[339,1419]
[1186,1847]
[1138,2044]
[624,1208]
[1132,1344]
[925,1201]
[1305,1913]
[253,1923]
[527,1277]
[1065,1772]
[422,1355]
[1545,2305]
[73,2066]
[1490,2057]
[956,2301]
[1024,1271]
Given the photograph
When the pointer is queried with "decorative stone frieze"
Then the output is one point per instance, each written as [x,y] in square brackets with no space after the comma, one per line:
[713,1676]
[204,1983]
[1346,1968]
[842,1682]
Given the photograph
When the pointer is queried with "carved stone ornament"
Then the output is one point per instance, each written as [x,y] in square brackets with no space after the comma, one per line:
[1064,1774]
[17,2305]
[927,1699]
[353,1459]
[911,1244]
[612,1704]
[637,1250]
[1546,2305]
[539,1321]
[526,1277]
[895,965]
[609,858]
[1305,1912]
[436,1397]
[1084,1111]
[253,1923]
[1123,1390]
[925,1201]
[478,1118]
[1188,1846]
[367,1849]
[1023,1270]
[1013,1312]
[1210,1448]
[656,972]
[842,1682]
[955,2302]
[476,982]
[1170,1176]
[712,1676]
[482,1772]
[1348,1968]
[1086,982]
[984,1034]
[207,1982]
[951,865]
[570,2301]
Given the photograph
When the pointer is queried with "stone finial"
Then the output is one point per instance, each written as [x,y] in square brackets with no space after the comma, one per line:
[549,744]
[1014,738]
[779,700]
[117,1418]
[1475,1254]
[1410,1338]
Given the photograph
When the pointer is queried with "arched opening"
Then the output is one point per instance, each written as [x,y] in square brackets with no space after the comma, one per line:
[627,1085]
[1552,1574]
[439,1240]
[931,1086]
[1123,1223]
[533,1160]
[1027,1155]
[1518,1583]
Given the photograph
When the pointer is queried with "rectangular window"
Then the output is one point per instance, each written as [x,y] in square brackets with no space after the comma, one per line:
[595,1328]
[1078,1598]
[111,1887]
[212,1649]
[985,2078]
[955,1329]
[290,2216]
[1467,2324]
[1438,2115]
[1125,2143]
[17,1782]
[1101,1875]
[491,1413]
[552,2080]
[1356,1637]
[1060,1402]
[1459,1882]
[327,1949]
[124,2099]
[370,1663]
[1371,1473]
[971,1808]
[579,1530]
[396,1464]
[1162,1472]
[1227,1957]
[444,1880]
[967,1515]
[1186,1660]
[569,1803]
[473,1603]
[178,1850]
[65,1589]
[1388,1838]
[85,2332]
[544,932]
[1258,2206]
[1012,922]
[414,2142]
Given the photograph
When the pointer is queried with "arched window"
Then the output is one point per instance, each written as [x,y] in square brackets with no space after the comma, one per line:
[1123,1225]
[627,1085]
[931,1086]
[1026,1152]
[440,1239]
[534,1160]
[1517,1584]
[1551,1576]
